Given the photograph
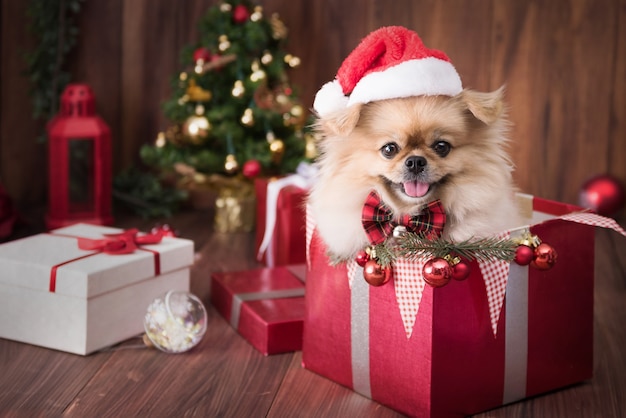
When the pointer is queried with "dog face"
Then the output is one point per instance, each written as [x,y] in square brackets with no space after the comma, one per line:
[418,149]
[412,147]
[413,151]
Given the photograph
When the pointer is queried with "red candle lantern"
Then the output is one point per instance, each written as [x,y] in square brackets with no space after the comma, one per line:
[79,162]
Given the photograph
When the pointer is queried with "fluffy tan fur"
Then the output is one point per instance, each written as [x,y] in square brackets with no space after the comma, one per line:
[473,179]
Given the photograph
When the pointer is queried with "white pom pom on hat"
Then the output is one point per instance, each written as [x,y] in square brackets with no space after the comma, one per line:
[389,63]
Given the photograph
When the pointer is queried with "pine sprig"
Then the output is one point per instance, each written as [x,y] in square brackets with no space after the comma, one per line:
[384,253]
[413,245]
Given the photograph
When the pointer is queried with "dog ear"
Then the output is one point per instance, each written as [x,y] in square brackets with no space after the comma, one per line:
[486,107]
[341,122]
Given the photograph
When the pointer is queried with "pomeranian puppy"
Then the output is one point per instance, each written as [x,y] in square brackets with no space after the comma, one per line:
[412,151]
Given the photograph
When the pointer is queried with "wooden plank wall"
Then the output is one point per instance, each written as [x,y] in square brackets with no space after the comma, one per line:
[563,62]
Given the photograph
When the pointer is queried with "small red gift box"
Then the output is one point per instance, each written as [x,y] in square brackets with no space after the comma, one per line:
[266,306]
[464,348]
[280,221]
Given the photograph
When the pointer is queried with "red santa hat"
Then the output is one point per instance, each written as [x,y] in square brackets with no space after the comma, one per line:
[391,62]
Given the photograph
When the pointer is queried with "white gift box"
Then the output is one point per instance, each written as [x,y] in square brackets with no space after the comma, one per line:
[56,295]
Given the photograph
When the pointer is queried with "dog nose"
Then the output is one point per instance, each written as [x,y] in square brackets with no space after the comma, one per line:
[415,164]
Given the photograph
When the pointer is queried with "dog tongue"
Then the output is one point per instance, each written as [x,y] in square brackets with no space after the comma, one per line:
[416,188]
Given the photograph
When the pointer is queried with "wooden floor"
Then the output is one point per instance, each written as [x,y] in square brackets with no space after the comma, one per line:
[225,377]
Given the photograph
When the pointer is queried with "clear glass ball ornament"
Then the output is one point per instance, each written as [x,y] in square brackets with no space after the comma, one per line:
[175,322]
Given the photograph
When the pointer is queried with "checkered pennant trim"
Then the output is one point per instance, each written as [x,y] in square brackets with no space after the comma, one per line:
[495,275]
[594,220]
[409,285]
[352,267]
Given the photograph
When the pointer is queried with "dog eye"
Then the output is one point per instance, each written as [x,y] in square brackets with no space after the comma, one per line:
[389,150]
[442,148]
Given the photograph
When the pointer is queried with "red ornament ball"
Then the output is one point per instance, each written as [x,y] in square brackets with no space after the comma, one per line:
[524,255]
[603,194]
[461,270]
[375,274]
[545,257]
[202,53]
[251,169]
[362,257]
[437,272]
[240,14]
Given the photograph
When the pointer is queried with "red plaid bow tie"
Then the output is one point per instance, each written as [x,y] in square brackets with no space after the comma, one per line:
[379,221]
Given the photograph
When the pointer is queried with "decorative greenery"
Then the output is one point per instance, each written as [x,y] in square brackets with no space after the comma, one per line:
[412,246]
[144,194]
[482,249]
[53,25]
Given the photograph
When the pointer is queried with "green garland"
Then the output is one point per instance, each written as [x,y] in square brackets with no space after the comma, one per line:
[412,246]
[482,249]
[53,25]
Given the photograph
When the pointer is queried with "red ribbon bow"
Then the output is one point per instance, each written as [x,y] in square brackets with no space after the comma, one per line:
[124,242]
[379,221]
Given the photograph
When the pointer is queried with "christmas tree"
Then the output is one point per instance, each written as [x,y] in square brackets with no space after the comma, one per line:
[233,110]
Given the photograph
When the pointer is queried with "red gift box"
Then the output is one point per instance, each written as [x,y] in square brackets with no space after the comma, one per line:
[280,221]
[474,344]
[266,306]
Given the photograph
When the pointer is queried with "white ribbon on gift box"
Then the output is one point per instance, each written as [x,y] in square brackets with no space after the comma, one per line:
[516,341]
[240,298]
[303,178]
[360,334]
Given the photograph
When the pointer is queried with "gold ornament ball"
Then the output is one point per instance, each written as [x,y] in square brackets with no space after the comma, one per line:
[267,58]
[238,89]
[247,118]
[257,15]
[160,141]
[277,148]
[310,150]
[297,111]
[224,43]
[292,61]
[282,99]
[257,76]
[231,165]
[197,128]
